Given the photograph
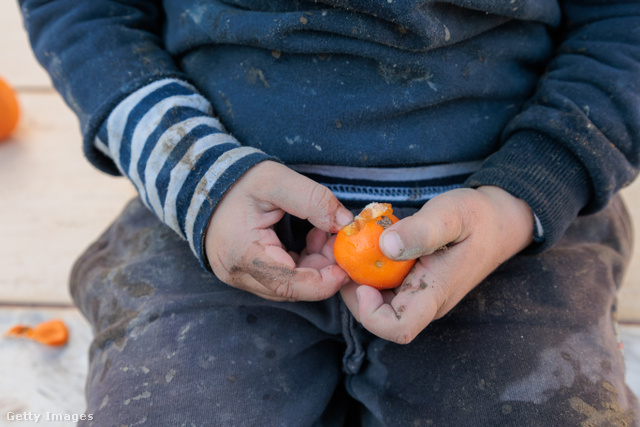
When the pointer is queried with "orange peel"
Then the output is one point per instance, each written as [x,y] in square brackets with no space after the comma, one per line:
[51,333]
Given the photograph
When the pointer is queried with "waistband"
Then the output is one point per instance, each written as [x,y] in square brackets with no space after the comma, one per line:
[403,186]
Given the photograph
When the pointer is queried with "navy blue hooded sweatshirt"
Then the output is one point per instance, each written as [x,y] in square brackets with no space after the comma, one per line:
[375,98]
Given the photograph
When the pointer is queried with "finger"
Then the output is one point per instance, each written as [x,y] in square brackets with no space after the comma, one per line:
[398,315]
[306,199]
[294,256]
[319,252]
[327,249]
[431,290]
[274,269]
[399,320]
[436,225]
[349,294]
[260,279]
[245,282]
[316,239]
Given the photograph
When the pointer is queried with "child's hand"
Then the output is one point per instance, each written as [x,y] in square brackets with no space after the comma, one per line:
[245,252]
[459,238]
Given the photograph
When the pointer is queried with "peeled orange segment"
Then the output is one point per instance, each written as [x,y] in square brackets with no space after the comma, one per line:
[370,212]
[357,251]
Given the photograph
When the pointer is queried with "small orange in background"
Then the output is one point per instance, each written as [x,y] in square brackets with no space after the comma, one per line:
[357,251]
[9,110]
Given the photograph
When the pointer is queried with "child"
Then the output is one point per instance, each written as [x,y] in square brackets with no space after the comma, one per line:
[490,126]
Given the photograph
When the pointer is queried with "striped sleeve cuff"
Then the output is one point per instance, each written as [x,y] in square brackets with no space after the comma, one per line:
[164,138]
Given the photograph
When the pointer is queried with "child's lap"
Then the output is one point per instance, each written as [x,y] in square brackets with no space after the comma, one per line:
[174,345]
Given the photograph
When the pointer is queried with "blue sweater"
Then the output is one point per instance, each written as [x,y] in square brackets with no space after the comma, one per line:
[392,99]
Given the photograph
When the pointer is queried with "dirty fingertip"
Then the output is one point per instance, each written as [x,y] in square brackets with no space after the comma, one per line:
[392,244]
[343,217]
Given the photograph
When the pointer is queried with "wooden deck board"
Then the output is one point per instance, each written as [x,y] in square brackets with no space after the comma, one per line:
[54,203]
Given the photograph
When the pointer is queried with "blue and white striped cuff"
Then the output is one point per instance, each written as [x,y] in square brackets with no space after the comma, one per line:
[164,138]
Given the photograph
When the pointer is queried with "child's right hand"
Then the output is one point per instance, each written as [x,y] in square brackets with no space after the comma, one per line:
[245,252]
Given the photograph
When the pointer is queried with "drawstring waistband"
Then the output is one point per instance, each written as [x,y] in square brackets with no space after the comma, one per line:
[404,186]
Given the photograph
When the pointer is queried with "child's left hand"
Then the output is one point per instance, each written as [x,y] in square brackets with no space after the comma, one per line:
[459,238]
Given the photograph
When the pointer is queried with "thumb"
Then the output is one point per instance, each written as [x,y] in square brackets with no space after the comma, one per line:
[437,224]
[304,198]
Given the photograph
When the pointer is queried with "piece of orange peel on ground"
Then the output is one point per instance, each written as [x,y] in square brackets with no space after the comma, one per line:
[358,252]
[52,332]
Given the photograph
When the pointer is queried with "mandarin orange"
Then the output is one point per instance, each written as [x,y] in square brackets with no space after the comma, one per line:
[357,251]
[9,110]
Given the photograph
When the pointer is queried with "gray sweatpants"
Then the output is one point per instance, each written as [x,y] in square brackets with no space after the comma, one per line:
[534,344]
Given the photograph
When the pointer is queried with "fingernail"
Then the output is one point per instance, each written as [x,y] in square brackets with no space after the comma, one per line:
[343,217]
[392,244]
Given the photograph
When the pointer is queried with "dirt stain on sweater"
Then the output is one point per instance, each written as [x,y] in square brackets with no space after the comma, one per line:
[254,75]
